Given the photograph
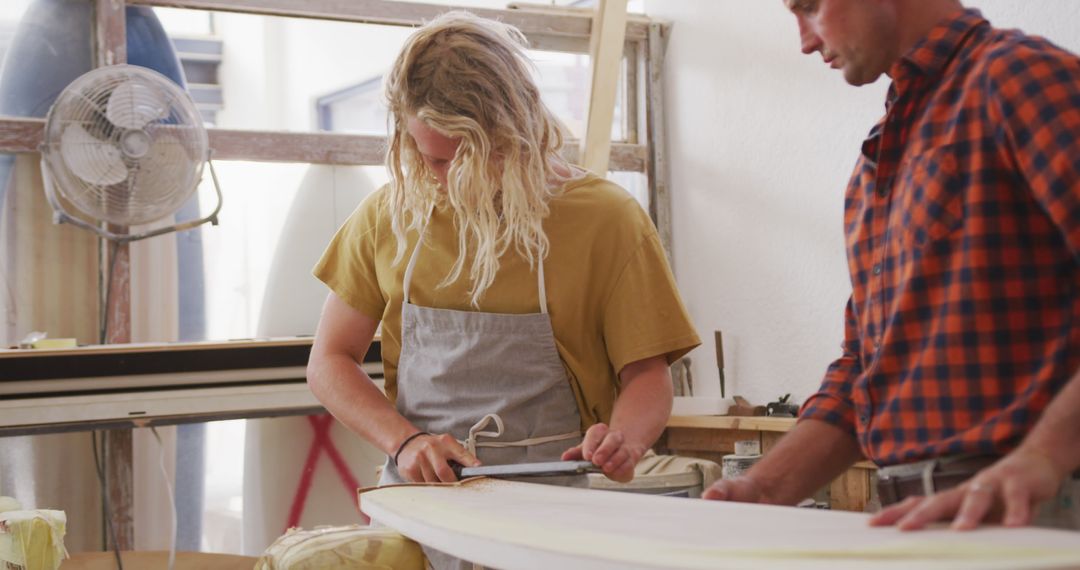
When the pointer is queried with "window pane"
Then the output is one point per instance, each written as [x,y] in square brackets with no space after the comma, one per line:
[293,74]
[36,37]
[274,224]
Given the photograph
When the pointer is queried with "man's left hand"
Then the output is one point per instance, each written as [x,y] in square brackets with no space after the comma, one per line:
[1014,486]
[609,449]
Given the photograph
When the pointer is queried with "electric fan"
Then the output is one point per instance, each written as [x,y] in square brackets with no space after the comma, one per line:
[125,145]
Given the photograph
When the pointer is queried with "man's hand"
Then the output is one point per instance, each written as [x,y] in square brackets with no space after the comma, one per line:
[426,459]
[738,490]
[1015,485]
[609,449]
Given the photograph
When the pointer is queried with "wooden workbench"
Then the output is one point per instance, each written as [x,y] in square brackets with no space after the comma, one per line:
[712,437]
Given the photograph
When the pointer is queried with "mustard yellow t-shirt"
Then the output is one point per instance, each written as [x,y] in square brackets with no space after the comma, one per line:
[611,297]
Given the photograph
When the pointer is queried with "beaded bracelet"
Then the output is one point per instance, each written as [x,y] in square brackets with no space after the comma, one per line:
[406,442]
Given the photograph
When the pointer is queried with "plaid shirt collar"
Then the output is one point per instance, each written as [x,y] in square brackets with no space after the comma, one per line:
[932,54]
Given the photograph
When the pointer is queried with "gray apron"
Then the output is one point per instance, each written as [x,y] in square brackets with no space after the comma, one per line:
[493,381]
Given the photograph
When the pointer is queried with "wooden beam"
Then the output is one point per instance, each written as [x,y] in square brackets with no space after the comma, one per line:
[393,13]
[656,137]
[316,148]
[25,135]
[120,488]
[110,48]
[110,37]
[21,134]
[606,49]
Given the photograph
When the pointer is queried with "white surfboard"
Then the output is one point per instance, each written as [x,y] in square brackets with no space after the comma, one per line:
[525,526]
[276,449]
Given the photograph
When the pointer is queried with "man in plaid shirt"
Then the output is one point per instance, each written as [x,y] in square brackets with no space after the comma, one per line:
[959,374]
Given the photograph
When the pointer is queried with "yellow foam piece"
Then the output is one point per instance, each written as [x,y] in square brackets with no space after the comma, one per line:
[55,343]
[33,540]
[342,548]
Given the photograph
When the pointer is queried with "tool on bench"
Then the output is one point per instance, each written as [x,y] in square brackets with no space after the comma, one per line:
[720,359]
[545,469]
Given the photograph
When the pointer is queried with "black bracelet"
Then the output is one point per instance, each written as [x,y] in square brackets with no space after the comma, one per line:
[401,447]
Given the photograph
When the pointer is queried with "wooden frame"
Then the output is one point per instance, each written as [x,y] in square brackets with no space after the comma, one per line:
[566,29]
[535,21]
[18,134]
[606,50]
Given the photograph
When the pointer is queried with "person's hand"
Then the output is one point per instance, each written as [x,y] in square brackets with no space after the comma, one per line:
[738,490]
[608,449]
[1009,489]
[426,458]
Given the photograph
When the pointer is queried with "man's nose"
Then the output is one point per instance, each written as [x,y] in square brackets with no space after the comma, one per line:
[809,40]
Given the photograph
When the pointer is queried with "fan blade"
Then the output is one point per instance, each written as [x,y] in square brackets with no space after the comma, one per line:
[133,104]
[93,160]
[165,177]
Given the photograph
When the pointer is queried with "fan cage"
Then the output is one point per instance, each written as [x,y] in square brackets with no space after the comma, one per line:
[125,144]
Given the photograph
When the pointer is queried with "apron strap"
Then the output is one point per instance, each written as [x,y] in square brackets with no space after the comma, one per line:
[415,254]
[540,284]
[475,433]
[412,258]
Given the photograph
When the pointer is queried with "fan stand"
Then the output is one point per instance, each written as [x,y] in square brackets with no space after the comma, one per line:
[61,215]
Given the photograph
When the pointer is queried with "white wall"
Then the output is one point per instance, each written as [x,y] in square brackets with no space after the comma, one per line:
[762,141]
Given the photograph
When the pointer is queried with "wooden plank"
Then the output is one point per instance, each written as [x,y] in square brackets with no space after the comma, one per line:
[110,42]
[116,282]
[68,413]
[769,439]
[706,439]
[606,49]
[761,423]
[21,134]
[656,137]
[523,526]
[315,148]
[850,491]
[171,347]
[120,488]
[394,13]
[25,135]
[634,56]
[110,34]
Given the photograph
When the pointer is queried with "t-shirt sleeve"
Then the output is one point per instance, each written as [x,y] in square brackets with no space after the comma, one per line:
[644,315]
[348,266]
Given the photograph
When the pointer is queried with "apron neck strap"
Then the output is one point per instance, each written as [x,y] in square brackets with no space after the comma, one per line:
[420,242]
[540,286]
[412,258]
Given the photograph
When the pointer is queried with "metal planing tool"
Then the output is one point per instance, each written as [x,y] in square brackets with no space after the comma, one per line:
[546,469]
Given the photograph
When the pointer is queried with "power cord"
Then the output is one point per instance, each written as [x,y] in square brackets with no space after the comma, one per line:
[172,497]
[107,282]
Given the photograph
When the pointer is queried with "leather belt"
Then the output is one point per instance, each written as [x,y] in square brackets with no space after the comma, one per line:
[898,482]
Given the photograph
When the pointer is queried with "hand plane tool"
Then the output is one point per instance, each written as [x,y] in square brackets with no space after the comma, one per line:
[546,469]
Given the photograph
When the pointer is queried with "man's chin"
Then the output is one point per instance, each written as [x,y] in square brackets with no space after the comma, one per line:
[857,77]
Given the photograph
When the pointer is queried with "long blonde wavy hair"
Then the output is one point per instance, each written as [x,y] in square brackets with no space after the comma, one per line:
[469,78]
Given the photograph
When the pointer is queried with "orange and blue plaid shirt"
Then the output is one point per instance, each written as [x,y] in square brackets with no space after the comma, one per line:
[962,223]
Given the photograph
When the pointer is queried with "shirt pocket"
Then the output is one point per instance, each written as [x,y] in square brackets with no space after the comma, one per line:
[929,204]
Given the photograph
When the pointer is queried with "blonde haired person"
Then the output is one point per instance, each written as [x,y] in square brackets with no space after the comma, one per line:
[527,309]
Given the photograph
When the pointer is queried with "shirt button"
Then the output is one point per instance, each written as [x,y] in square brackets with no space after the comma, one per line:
[883,191]
[877,269]
[862,420]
